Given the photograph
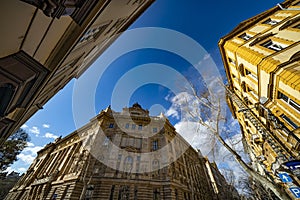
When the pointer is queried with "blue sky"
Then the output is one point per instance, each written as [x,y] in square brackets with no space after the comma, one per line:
[203,21]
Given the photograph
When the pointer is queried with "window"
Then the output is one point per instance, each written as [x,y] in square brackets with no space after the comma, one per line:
[230,60]
[272,45]
[289,121]
[245,36]
[112,190]
[289,101]
[270,22]
[135,197]
[140,127]
[127,126]
[124,193]
[154,145]
[128,163]
[54,196]
[89,192]
[94,33]
[297,26]
[133,126]
[111,125]
[156,194]
[106,141]
[250,74]
[119,157]
[154,130]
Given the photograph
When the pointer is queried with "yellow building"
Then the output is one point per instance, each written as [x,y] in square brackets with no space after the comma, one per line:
[122,155]
[46,43]
[261,57]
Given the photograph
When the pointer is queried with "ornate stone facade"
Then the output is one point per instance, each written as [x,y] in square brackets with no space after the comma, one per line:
[122,155]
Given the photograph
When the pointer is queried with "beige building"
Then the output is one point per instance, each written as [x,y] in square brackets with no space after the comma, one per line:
[122,155]
[46,43]
[261,57]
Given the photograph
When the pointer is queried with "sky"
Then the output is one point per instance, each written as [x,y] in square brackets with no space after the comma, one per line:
[181,28]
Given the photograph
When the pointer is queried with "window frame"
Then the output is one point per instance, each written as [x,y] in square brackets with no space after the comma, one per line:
[270,21]
[155,145]
[274,46]
[245,36]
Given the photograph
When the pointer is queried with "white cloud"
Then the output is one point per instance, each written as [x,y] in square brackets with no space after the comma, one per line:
[21,170]
[28,159]
[34,130]
[32,150]
[50,135]
[29,153]
[24,126]
[46,125]
[30,144]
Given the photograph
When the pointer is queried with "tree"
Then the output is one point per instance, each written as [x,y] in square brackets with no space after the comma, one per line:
[7,182]
[12,147]
[208,108]
[256,190]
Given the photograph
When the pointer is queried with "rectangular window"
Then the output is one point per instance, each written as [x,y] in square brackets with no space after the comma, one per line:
[154,130]
[270,22]
[250,74]
[112,190]
[289,121]
[133,126]
[89,192]
[156,194]
[127,126]
[154,145]
[230,60]
[106,141]
[119,157]
[273,45]
[245,36]
[289,101]
[140,127]
[297,26]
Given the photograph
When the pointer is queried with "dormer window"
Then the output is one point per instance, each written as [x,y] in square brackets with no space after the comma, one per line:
[245,36]
[273,45]
[270,22]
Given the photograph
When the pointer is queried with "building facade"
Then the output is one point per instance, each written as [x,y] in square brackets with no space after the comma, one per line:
[46,43]
[122,155]
[261,57]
